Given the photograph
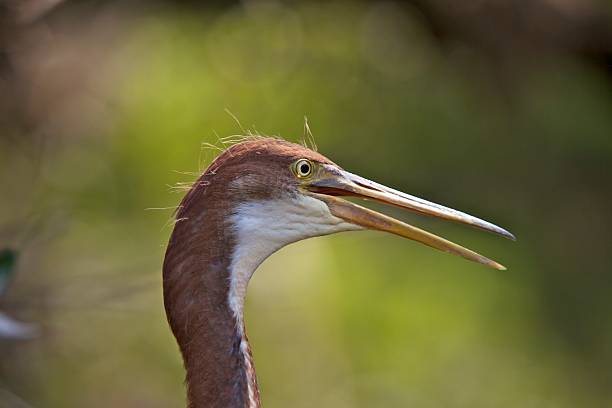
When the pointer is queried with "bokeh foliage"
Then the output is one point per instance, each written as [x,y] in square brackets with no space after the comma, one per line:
[354,320]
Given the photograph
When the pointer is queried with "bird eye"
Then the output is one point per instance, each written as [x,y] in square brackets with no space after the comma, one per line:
[302,168]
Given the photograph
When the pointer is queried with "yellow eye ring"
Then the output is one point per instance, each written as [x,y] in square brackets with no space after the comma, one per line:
[302,168]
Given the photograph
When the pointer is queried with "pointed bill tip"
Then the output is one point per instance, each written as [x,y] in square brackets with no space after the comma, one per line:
[485,225]
[499,267]
[507,234]
[474,256]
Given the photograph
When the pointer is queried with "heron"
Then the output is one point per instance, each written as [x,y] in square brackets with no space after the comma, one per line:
[256,197]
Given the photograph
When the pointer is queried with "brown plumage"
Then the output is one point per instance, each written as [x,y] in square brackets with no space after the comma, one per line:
[195,272]
[204,272]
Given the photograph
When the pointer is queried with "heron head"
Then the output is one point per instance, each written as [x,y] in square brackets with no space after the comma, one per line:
[283,192]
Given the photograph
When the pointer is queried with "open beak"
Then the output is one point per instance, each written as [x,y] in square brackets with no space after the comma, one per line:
[334,183]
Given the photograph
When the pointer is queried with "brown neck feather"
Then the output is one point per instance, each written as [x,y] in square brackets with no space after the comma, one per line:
[196,271]
[196,285]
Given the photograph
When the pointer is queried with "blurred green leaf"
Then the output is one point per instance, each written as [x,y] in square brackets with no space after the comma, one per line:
[8,260]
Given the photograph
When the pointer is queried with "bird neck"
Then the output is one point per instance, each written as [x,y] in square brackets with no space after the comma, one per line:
[204,308]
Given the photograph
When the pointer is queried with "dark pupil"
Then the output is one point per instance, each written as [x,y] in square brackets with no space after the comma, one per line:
[304,168]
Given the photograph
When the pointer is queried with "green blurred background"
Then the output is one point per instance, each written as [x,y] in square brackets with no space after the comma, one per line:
[501,108]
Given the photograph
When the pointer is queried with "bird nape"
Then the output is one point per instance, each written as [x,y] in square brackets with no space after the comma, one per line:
[256,197]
